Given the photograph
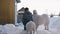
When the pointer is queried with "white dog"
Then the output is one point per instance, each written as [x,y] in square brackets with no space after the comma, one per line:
[41,19]
[46,21]
[31,27]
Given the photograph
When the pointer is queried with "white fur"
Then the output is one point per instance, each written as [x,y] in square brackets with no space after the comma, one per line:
[31,27]
[46,21]
[41,19]
[38,20]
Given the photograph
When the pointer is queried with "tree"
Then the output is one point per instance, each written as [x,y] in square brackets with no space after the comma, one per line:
[59,13]
[51,15]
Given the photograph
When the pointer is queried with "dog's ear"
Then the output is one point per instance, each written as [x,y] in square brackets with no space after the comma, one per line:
[18,1]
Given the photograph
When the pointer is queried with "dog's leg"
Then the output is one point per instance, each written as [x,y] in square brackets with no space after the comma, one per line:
[46,28]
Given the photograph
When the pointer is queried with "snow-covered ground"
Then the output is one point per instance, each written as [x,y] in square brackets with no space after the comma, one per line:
[55,25]
[54,28]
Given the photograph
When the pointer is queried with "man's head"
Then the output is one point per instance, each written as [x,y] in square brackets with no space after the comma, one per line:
[26,9]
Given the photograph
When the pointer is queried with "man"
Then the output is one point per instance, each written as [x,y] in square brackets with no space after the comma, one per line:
[27,16]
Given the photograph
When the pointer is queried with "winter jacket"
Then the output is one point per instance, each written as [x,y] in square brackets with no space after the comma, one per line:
[27,16]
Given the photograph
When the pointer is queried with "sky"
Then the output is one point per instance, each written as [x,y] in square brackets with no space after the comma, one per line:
[42,6]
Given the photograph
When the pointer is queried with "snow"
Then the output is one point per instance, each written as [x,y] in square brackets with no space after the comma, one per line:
[10,29]
[55,25]
[54,28]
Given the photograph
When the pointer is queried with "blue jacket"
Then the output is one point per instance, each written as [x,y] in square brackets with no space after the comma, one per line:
[27,16]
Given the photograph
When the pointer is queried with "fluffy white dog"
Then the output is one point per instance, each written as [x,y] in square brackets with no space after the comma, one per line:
[31,27]
[41,19]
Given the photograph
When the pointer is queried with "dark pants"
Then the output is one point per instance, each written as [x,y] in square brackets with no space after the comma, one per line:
[24,23]
[24,27]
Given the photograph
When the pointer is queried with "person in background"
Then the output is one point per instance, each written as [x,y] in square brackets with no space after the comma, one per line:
[27,16]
